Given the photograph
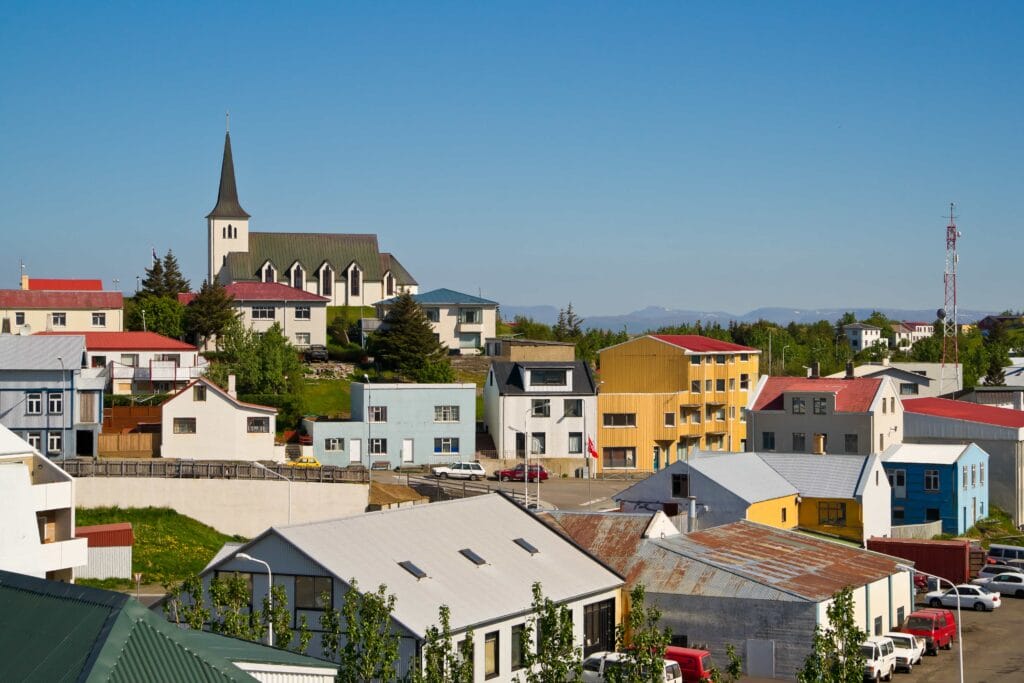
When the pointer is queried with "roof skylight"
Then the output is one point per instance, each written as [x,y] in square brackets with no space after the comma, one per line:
[473,557]
[526,545]
[412,569]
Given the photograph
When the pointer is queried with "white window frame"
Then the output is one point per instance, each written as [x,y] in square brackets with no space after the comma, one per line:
[59,319]
[33,403]
[55,403]
[446,413]
[303,312]
[180,425]
[446,445]
[34,439]
[377,414]
[256,420]
[263,312]
[54,442]
[377,446]
[99,319]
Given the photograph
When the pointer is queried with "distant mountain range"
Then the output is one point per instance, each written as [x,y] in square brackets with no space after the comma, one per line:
[653,317]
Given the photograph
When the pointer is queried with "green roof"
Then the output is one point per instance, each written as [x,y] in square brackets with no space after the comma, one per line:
[64,632]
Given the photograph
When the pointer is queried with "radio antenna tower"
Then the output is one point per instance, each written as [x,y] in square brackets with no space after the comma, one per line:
[947,315]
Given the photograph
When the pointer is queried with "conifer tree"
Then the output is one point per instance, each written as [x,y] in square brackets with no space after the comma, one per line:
[174,283]
[209,314]
[407,343]
[153,281]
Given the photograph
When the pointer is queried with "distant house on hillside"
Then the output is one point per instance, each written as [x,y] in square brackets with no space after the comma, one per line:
[461,322]
[24,311]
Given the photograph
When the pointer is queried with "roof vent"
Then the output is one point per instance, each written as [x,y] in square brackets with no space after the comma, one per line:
[526,545]
[413,569]
[473,557]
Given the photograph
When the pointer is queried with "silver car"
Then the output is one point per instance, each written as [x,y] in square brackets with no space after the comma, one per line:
[461,470]
[1008,583]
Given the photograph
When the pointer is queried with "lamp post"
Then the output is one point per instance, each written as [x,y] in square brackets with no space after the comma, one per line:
[369,418]
[959,622]
[784,358]
[270,595]
[63,373]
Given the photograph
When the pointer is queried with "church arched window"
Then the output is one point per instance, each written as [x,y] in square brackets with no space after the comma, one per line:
[326,281]
[298,277]
[353,281]
[268,273]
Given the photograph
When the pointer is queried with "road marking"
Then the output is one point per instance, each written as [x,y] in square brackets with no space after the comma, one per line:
[591,502]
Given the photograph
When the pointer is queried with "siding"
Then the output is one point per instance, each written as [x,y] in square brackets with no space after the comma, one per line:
[107,563]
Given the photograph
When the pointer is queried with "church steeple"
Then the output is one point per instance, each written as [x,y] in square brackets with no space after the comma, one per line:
[227,197]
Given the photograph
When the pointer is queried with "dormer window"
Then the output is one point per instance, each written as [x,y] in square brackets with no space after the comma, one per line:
[555,377]
[326,281]
[298,277]
[390,284]
[269,274]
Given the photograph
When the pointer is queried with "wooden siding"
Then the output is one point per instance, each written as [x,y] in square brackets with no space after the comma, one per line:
[130,445]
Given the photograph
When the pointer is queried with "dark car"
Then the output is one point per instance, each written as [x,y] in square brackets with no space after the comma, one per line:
[516,473]
[316,353]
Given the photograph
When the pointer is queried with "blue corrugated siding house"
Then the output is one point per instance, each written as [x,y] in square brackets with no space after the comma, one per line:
[401,424]
[938,482]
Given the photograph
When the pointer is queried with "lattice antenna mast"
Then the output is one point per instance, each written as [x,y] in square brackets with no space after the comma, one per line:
[948,313]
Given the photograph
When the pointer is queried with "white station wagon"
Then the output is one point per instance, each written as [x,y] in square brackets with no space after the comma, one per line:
[460,470]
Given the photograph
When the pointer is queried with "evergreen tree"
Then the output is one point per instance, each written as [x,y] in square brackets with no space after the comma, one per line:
[174,283]
[153,282]
[406,343]
[209,313]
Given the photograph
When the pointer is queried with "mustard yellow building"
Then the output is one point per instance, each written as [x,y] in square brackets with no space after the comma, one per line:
[662,397]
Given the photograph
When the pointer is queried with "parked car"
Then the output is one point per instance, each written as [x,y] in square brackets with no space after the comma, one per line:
[316,353]
[460,470]
[990,570]
[597,666]
[1006,554]
[516,473]
[970,596]
[1007,583]
[694,664]
[909,649]
[304,461]
[879,658]
[936,625]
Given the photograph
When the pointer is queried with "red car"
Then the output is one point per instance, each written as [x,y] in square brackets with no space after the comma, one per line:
[516,473]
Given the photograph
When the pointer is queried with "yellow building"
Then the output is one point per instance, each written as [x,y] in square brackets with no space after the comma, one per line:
[662,397]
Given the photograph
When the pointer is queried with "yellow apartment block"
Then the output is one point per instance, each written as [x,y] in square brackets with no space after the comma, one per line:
[664,396]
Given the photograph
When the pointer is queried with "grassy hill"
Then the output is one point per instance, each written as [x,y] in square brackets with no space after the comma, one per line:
[168,546]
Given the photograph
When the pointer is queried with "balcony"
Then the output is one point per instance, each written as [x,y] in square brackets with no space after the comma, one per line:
[54,496]
[64,554]
[157,371]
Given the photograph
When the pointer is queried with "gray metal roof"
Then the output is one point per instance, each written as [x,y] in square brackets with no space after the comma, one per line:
[509,377]
[744,474]
[40,352]
[369,547]
[819,476]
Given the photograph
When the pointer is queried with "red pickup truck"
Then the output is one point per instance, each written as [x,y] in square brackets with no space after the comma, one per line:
[936,625]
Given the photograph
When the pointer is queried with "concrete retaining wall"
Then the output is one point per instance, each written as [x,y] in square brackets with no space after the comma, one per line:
[231,506]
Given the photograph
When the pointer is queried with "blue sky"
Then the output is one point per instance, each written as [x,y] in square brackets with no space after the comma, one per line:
[617,155]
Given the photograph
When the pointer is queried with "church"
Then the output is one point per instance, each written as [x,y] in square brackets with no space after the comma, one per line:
[346,269]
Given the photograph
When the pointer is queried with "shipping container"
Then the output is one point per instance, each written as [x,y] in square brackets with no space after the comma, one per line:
[949,559]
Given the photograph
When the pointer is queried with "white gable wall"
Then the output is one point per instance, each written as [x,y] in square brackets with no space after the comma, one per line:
[221,429]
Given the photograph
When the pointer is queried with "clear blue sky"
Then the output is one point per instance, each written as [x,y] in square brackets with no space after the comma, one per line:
[616,155]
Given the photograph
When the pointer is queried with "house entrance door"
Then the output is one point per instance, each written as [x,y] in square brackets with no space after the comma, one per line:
[355,450]
[406,450]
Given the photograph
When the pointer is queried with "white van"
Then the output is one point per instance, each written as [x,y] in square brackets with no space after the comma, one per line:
[879,658]
[597,665]
[1012,555]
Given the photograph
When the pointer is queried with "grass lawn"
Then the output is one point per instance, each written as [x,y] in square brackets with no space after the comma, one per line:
[330,397]
[168,546]
[998,527]
[350,313]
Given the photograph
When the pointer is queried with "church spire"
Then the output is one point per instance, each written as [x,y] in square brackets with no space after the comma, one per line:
[227,197]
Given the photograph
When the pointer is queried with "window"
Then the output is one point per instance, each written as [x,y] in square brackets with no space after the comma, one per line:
[695,416]
[850,443]
[257,425]
[974,475]
[932,515]
[446,444]
[619,458]
[302,312]
[878,626]
[908,389]
[354,277]
[620,419]
[784,512]
[900,614]
[831,513]
[35,439]
[892,404]
[719,385]
[732,412]
[432,314]
[708,384]
[538,443]
[732,384]
[19,318]
[884,409]
[199,392]
[54,442]
[334,444]
[680,485]
[899,513]
[720,359]
[931,480]
[799,442]
[573,407]
[720,414]
[820,406]
[768,441]
[389,284]
[548,378]
[130,360]
[262,312]
[540,407]
[695,360]
[695,385]
[326,283]
[799,405]
[55,403]
[670,419]
[99,319]
[378,413]
[981,473]
[269,274]
[58,319]
[168,358]
[378,446]
[575,443]
[469,315]
[302,338]
[516,661]
[246,577]
[964,476]
[33,404]
[744,357]
[184,425]
[491,665]
[446,413]
[881,442]
[744,382]
[599,627]
[313,593]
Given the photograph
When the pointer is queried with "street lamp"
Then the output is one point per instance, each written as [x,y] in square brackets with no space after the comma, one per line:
[959,622]
[63,422]
[270,595]
[526,463]
[784,358]
[369,418]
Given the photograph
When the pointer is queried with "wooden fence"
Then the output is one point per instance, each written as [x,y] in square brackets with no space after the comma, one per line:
[122,418]
[212,469]
[129,445]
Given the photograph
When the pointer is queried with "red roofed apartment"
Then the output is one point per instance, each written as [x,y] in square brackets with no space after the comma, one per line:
[997,431]
[27,311]
[664,396]
[851,415]
[142,362]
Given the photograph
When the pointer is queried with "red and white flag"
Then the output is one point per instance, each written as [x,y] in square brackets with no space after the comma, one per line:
[591,448]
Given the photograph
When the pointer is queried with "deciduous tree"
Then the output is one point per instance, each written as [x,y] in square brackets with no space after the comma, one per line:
[159,314]
[836,656]
[443,661]
[370,651]
[642,640]
[556,659]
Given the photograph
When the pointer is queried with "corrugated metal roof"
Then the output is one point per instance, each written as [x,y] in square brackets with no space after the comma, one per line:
[311,250]
[107,535]
[852,395]
[819,476]
[58,300]
[446,296]
[926,454]
[700,344]
[39,352]
[968,412]
[744,474]
[124,341]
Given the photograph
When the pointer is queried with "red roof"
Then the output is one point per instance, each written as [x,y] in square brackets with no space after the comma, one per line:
[128,341]
[968,412]
[699,344]
[260,291]
[852,395]
[51,284]
[107,535]
[27,298]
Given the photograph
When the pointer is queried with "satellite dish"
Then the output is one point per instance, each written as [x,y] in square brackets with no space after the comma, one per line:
[26,329]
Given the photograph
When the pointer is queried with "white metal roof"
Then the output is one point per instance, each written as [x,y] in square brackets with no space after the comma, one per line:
[744,474]
[819,476]
[12,444]
[924,454]
[40,352]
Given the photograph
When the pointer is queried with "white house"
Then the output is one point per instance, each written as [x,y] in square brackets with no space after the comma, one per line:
[204,422]
[37,529]
[862,336]
[480,556]
[462,322]
[24,311]
[302,315]
[908,333]
[555,403]
[142,362]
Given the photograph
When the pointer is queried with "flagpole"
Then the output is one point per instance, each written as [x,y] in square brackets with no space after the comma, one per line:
[586,448]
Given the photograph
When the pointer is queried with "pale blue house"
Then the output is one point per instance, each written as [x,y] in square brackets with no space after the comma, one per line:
[399,424]
[947,482]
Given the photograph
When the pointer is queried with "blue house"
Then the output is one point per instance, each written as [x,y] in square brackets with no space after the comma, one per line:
[401,424]
[938,482]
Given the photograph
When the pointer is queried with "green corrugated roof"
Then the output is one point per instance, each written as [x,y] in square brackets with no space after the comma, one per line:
[311,250]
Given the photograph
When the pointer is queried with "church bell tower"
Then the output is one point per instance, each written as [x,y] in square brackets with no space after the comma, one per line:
[228,223]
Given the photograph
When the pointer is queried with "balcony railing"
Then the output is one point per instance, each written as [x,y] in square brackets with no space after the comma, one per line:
[64,554]
[157,371]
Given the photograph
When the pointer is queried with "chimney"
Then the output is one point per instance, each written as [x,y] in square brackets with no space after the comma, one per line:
[691,515]
[849,369]
[24,281]
[818,446]
[231,387]
[815,370]
[885,361]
